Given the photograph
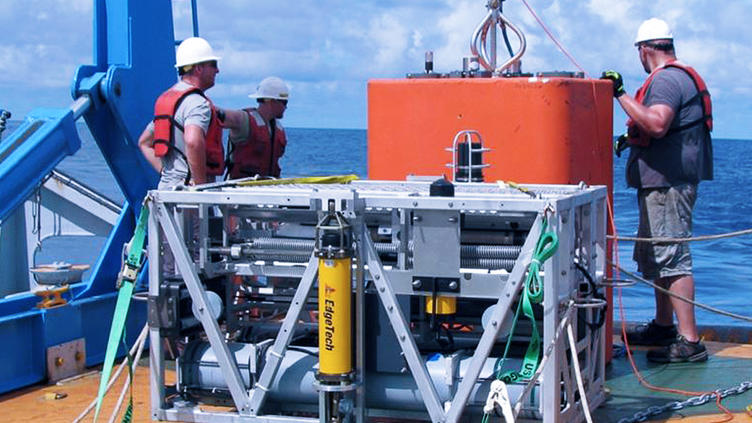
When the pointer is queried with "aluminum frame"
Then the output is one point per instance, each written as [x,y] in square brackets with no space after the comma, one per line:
[577,214]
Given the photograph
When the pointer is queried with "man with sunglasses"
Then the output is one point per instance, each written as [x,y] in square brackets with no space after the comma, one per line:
[184,141]
[258,140]
[668,133]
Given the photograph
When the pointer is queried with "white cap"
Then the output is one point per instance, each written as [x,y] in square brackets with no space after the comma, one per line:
[272,87]
[653,29]
[194,50]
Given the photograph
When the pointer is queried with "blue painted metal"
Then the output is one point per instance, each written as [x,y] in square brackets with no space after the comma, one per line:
[194,15]
[45,138]
[133,63]
[134,59]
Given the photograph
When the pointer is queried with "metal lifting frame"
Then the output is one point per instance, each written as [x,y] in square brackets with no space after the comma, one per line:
[578,217]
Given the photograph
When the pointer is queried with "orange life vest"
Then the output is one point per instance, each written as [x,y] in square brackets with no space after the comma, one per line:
[638,137]
[258,154]
[165,124]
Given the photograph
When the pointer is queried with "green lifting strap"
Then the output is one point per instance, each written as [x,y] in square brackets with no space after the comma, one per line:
[532,293]
[126,281]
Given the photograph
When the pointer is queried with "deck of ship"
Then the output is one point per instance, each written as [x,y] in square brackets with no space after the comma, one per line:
[729,365]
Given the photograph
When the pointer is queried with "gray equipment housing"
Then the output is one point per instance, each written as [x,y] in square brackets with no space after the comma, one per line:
[253,245]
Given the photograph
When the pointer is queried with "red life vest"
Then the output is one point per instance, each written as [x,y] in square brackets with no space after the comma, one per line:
[638,137]
[258,154]
[165,124]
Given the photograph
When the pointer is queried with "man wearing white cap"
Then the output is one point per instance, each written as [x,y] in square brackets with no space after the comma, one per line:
[184,141]
[668,133]
[259,140]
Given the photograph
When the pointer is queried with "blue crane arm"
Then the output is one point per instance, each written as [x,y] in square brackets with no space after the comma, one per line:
[134,54]
[45,138]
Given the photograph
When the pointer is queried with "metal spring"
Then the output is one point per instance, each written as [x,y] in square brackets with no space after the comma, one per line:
[491,251]
[299,250]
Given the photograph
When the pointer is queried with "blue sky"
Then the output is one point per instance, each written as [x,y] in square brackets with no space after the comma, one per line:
[328,49]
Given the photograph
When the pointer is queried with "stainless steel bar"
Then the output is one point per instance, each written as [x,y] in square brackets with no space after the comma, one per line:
[277,352]
[185,265]
[487,340]
[360,326]
[402,330]
[156,349]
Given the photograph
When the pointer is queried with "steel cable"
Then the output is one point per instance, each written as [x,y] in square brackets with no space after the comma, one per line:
[663,240]
[685,299]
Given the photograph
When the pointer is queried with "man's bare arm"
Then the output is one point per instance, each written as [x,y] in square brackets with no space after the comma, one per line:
[655,120]
[195,151]
[145,144]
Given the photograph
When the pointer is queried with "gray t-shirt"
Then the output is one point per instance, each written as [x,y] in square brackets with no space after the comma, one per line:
[193,110]
[681,156]
[674,87]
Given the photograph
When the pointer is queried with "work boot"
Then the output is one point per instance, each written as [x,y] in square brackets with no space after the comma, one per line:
[680,351]
[652,334]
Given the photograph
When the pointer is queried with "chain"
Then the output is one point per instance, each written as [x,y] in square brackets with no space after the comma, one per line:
[653,411]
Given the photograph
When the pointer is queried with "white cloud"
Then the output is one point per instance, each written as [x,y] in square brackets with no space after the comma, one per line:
[388,39]
[328,49]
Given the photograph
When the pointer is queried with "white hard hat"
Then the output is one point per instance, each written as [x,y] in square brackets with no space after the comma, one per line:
[272,87]
[653,29]
[194,50]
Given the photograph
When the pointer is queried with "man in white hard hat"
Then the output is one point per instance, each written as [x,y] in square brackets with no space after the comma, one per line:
[670,120]
[258,140]
[184,141]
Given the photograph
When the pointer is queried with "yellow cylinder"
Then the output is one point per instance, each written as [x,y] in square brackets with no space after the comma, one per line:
[335,316]
[444,305]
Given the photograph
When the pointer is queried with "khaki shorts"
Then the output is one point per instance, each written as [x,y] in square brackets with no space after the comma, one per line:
[665,212]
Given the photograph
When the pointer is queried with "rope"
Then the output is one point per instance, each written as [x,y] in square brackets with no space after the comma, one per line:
[685,299]
[641,379]
[551,36]
[648,385]
[578,374]
[138,344]
[663,240]
[128,415]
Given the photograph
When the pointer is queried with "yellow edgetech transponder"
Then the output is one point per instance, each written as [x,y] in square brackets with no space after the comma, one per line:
[335,316]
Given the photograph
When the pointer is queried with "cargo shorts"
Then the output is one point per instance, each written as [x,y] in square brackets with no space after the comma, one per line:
[665,212]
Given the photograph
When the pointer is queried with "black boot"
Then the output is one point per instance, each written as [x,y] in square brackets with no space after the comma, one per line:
[652,334]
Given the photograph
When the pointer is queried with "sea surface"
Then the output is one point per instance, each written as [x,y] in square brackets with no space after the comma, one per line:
[722,267]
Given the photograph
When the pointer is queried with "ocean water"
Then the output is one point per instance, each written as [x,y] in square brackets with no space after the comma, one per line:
[724,205]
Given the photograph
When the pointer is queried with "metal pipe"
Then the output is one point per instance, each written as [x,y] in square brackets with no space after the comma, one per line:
[294,382]
[194,15]
[269,245]
[80,106]
[299,251]
[478,44]
[523,45]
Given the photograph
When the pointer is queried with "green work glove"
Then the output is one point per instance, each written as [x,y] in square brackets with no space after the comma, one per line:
[618,82]
[620,144]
